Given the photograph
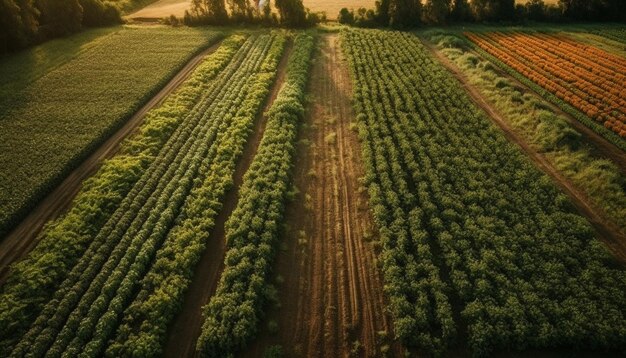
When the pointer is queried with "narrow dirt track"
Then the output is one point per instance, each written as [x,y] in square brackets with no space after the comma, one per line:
[23,238]
[331,293]
[607,231]
[185,330]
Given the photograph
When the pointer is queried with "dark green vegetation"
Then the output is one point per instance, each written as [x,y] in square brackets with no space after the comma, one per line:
[53,118]
[617,34]
[24,22]
[410,13]
[65,240]
[478,245]
[546,130]
[89,300]
[291,13]
[233,313]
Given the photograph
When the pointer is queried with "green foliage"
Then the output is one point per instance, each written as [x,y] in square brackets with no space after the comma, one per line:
[234,312]
[52,123]
[550,133]
[86,309]
[145,321]
[526,271]
[65,240]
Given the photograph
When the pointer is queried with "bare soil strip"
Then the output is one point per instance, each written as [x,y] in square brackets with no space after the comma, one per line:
[186,328]
[607,231]
[331,292]
[23,238]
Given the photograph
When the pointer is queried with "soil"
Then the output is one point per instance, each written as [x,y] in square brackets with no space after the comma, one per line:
[187,326]
[608,232]
[330,290]
[23,238]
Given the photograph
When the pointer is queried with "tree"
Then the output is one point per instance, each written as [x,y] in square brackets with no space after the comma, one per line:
[59,17]
[240,10]
[405,13]
[346,16]
[382,12]
[211,11]
[292,13]
[460,11]
[18,24]
[437,11]
[493,10]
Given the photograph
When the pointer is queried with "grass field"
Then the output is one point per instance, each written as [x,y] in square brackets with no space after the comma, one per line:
[83,88]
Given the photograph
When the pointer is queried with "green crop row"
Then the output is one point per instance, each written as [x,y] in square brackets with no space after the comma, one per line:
[86,309]
[233,313]
[64,240]
[473,235]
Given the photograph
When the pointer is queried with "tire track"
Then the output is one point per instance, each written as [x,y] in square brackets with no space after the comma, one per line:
[331,295]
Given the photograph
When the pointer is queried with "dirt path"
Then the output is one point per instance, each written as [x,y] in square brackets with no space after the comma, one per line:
[186,328]
[330,290]
[23,238]
[608,232]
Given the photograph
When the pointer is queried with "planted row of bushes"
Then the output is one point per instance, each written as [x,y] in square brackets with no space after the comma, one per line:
[233,313]
[32,281]
[523,269]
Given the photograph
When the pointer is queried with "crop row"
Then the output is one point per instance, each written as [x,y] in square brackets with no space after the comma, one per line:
[586,78]
[53,123]
[64,240]
[87,307]
[233,313]
[145,321]
[473,235]
[613,34]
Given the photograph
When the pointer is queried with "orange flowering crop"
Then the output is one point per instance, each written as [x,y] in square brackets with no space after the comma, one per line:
[589,79]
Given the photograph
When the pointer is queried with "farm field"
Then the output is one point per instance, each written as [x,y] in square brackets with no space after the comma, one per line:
[43,135]
[472,275]
[584,78]
[326,192]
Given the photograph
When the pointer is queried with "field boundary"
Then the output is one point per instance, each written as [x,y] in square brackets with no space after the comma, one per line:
[187,325]
[25,236]
[610,234]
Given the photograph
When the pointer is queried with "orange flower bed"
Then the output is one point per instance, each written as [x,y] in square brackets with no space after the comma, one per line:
[589,79]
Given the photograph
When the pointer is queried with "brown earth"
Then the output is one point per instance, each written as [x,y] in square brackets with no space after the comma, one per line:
[330,290]
[607,230]
[186,328]
[23,238]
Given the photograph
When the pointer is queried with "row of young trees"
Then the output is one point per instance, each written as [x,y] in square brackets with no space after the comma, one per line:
[24,22]
[524,270]
[86,308]
[409,13]
[291,13]
[233,313]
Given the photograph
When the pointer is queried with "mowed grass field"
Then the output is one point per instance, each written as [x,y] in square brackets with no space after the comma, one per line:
[61,99]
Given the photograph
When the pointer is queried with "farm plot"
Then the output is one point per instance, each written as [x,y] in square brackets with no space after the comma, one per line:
[234,311]
[478,245]
[583,77]
[180,187]
[53,123]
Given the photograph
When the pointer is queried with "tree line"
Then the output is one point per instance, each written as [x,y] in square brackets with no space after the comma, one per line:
[409,13]
[291,13]
[25,22]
